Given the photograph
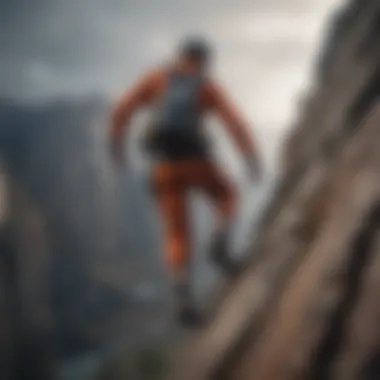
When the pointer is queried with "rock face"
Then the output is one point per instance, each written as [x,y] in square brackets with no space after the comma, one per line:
[306,306]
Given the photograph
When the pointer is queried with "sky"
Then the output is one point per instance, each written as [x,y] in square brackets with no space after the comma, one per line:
[265,49]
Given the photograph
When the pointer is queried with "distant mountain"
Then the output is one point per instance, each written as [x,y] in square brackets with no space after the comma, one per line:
[101,231]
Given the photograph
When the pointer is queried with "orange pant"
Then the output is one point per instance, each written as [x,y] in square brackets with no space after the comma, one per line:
[171,183]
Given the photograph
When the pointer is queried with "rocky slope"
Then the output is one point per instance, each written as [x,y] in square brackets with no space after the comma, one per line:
[306,305]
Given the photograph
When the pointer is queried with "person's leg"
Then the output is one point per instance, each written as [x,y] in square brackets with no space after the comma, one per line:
[222,194]
[170,194]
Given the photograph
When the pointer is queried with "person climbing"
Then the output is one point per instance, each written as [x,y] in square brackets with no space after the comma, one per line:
[182,94]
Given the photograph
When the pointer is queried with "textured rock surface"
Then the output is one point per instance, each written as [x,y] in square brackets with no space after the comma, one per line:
[306,306]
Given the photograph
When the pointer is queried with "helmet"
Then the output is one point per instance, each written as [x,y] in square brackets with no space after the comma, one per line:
[195,47]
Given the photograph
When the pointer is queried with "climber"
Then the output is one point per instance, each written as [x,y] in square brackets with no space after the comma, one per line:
[181,94]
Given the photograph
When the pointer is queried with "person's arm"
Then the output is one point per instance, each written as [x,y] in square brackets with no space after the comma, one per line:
[236,126]
[125,108]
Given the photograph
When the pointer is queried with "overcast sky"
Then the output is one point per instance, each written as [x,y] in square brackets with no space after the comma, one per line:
[264,47]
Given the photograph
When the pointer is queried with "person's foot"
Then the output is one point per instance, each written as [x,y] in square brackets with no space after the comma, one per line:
[186,313]
[231,268]
[190,317]
[220,256]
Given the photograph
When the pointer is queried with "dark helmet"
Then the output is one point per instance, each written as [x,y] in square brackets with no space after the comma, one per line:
[195,47]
